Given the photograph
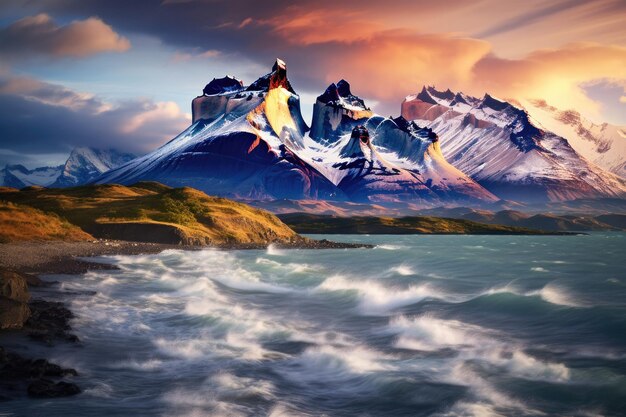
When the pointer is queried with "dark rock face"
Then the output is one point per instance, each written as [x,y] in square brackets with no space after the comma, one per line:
[223,85]
[445,95]
[13,314]
[425,96]
[14,286]
[335,94]
[494,103]
[336,112]
[18,373]
[14,298]
[49,320]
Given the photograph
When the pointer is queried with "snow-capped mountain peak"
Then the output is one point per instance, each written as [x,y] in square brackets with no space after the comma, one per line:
[227,84]
[244,143]
[336,112]
[500,145]
[84,164]
[603,144]
[18,176]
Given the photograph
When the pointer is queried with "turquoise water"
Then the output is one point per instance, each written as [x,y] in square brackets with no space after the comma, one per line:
[418,326]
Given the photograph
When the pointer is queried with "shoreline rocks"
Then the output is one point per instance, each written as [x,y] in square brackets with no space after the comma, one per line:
[32,376]
[14,297]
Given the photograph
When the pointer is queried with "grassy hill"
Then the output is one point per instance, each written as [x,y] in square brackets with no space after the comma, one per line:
[323,224]
[23,223]
[149,212]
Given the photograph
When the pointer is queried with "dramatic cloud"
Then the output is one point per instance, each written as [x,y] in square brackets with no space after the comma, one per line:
[386,50]
[41,35]
[48,118]
[557,75]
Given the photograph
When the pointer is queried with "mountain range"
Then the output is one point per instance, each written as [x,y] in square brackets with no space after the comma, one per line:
[498,144]
[250,142]
[82,166]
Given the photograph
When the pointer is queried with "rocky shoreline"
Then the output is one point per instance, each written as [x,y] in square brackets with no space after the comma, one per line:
[45,322]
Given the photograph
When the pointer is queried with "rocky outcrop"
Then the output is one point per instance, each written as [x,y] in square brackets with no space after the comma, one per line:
[14,297]
[49,321]
[14,286]
[336,112]
[36,377]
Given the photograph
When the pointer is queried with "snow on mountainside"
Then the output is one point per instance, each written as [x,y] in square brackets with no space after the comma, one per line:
[243,143]
[496,144]
[603,144]
[337,112]
[252,143]
[82,166]
[85,164]
[394,160]
[18,176]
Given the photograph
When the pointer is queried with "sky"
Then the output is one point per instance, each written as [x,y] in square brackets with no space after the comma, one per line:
[122,74]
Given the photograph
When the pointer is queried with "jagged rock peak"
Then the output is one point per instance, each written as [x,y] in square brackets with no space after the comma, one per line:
[458,99]
[425,96]
[339,95]
[227,84]
[444,95]
[414,129]
[343,88]
[275,79]
[279,64]
[494,103]
[330,95]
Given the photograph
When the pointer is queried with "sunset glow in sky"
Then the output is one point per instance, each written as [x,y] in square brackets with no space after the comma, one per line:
[122,73]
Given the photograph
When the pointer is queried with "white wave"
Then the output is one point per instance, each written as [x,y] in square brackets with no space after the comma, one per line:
[375,298]
[293,268]
[403,270]
[227,384]
[109,281]
[489,398]
[184,348]
[219,395]
[100,390]
[508,288]
[135,365]
[473,343]
[389,247]
[526,366]
[282,410]
[274,251]
[265,261]
[550,293]
[340,361]
[322,337]
[429,333]
[539,269]
[557,295]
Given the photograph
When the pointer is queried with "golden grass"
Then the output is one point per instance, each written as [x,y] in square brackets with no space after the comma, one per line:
[196,216]
[22,223]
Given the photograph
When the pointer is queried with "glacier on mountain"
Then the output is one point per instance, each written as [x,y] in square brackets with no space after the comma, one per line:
[251,142]
[499,145]
[82,166]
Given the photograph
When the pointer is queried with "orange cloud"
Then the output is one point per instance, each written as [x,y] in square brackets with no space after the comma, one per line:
[555,75]
[373,47]
[42,35]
